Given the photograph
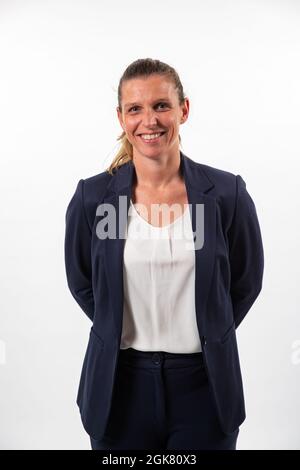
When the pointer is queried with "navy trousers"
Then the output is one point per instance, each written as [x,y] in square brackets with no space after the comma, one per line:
[162,401]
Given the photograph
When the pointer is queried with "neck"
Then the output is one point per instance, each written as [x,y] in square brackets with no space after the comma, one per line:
[157,173]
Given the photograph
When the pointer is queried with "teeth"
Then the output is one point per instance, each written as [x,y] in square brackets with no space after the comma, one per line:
[151,136]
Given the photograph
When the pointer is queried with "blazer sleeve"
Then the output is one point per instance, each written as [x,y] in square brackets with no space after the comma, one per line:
[77,248]
[246,253]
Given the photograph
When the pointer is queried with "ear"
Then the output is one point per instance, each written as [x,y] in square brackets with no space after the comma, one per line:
[120,118]
[185,110]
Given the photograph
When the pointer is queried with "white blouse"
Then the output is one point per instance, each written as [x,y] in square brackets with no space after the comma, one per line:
[159,286]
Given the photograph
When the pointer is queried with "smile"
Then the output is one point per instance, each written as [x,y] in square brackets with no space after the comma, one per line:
[151,137]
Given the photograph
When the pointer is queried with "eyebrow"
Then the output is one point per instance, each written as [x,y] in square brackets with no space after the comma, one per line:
[127,105]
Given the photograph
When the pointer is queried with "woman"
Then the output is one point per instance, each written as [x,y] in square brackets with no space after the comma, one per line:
[161,369]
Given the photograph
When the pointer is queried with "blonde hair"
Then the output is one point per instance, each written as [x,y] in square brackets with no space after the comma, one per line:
[142,68]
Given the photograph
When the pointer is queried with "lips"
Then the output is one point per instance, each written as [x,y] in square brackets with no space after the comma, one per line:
[152,133]
[152,140]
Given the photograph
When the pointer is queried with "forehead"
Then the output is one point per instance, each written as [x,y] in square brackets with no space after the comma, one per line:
[147,88]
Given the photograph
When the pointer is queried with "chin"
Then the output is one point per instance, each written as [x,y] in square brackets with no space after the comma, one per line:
[152,154]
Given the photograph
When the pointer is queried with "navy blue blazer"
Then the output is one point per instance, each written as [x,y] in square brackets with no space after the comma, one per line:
[229,272]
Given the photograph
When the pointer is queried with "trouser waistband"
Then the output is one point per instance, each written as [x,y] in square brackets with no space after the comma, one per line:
[157,358]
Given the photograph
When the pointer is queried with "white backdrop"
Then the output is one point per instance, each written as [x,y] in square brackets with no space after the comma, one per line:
[239,62]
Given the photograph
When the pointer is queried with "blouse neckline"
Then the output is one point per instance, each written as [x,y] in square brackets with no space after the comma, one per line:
[155,226]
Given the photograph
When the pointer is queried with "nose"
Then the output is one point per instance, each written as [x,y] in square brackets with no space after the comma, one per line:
[150,118]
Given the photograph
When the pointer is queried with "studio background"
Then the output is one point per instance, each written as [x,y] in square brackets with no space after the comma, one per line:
[239,62]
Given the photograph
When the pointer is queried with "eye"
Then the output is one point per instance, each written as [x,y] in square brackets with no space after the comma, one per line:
[160,103]
[165,104]
[132,108]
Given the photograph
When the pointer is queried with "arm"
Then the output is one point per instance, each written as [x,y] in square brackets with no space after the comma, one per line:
[245,253]
[78,252]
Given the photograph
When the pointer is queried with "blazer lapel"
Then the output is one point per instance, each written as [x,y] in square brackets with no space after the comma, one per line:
[197,185]
[118,195]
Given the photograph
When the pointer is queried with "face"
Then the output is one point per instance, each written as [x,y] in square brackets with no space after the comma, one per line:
[150,106]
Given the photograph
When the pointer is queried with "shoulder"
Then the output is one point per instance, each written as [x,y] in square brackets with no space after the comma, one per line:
[219,177]
[95,186]
[224,183]
[224,190]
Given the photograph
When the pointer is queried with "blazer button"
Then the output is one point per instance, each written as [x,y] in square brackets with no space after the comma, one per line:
[156,358]
[204,340]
